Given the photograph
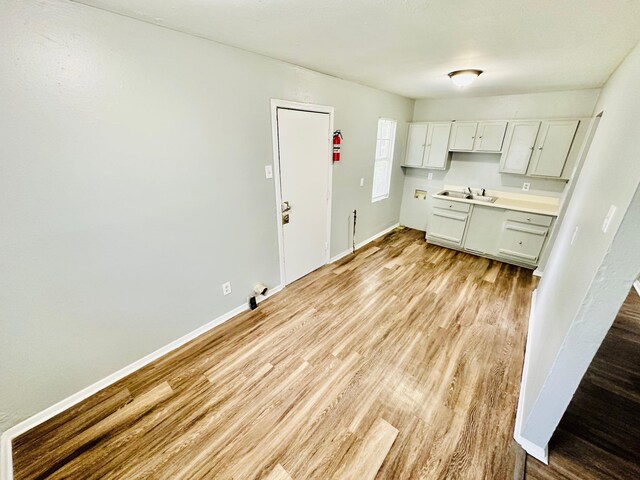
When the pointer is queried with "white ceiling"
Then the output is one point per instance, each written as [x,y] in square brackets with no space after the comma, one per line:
[408,46]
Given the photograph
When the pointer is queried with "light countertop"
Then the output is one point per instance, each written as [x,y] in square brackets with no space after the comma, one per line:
[510,201]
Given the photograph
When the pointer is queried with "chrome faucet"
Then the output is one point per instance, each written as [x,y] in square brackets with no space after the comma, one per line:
[470,192]
[484,192]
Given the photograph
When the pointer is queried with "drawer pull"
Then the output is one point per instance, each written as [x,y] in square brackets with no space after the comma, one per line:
[445,237]
[460,217]
[523,229]
[511,253]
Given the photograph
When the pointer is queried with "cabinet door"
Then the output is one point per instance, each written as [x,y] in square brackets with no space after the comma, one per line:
[483,230]
[521,242]
[553,147]
[436,151]
[446,226]
[463,136]
[415,144]
[490,136]
[518,146]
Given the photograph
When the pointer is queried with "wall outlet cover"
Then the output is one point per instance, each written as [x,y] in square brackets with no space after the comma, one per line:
[226,288]
[526,186]
[430,176]
[268,171]
[362,182]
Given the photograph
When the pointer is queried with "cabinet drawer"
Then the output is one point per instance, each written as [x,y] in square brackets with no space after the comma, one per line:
[529,218]
[449,205]
[446,226]
[522,241]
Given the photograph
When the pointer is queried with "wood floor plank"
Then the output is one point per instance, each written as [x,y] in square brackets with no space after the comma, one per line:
[429,339]
[368,458]
[278,473]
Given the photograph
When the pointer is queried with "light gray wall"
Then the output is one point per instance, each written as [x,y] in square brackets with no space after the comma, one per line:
[569,103]
[585,283]
[132,186]
[479,170]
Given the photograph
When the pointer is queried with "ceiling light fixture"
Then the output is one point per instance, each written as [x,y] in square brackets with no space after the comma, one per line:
[462,78]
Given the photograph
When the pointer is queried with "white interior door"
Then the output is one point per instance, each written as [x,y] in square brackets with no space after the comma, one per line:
[304,140]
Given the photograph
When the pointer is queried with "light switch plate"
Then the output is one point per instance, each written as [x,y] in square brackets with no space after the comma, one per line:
[268,171]
[362,182]
[525,187]
[607,219]
[430,176]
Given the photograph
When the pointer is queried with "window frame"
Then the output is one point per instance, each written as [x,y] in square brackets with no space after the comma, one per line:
[388,159]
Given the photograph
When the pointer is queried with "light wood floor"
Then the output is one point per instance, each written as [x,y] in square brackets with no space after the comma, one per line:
[599,435]
[400,362]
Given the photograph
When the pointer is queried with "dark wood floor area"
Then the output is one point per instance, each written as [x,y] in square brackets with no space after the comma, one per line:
[402,361]
[599,435]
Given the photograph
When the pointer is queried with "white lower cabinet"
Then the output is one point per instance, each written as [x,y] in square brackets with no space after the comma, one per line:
[484,224]
[448,222]
[522,242]
[508,235]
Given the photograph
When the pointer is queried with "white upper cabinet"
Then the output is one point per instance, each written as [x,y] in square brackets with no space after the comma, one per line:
[463,135]
[490,136]
[552,148]
[518,146]
[415,144]
[427,145]
[436,151]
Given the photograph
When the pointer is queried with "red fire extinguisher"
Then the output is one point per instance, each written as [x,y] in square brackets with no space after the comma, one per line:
[337,138]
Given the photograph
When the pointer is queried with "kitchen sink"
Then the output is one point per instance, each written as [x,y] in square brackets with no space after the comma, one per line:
[467,196]
[482,198]
[452,194]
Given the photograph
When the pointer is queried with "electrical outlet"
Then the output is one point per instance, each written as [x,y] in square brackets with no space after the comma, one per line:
[430,176]
[607,219]
[268,171]
[525,187]
[226,288]
[362,182]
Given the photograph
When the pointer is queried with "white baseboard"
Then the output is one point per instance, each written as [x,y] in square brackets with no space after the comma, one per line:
[6,456]
[636,285]
[364,242]
[537,273]
[536,451]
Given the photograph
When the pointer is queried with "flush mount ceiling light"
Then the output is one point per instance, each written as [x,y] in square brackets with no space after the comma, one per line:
[462,78]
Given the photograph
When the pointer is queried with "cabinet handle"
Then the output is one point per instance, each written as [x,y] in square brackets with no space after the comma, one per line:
[480,136]
[519,243]
[539,148]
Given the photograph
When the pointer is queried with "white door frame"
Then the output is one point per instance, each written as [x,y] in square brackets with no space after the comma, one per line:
[307,107]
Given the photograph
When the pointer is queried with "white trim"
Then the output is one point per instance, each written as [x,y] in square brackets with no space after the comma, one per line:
[636,285]
[536,451]
[538,273]
[364,242]
[6,457]
[307,107]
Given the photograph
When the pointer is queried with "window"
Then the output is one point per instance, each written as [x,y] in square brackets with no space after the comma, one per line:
[385,142]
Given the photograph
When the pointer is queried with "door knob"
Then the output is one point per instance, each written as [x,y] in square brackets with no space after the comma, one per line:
[286,207]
